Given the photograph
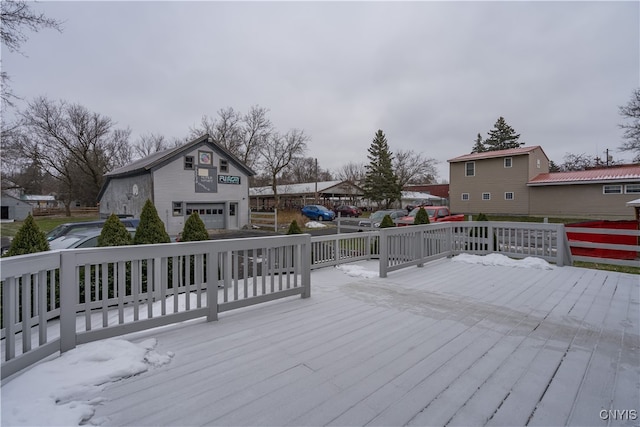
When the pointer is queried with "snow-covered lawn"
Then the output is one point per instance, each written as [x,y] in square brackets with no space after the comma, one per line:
[463,341]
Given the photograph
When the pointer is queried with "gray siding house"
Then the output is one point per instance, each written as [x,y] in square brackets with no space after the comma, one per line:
[198,176]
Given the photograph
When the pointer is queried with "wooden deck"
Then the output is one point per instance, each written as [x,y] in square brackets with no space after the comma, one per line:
[447,344]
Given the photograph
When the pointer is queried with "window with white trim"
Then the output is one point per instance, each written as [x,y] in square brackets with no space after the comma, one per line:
[224,166]
[486,196]
[465,197]
[612,189]
[470,169]
[188,162]
[632,188]
[177,208]
[508,162]
[509,195]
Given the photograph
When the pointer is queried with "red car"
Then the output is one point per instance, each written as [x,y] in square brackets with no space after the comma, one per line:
[436,214]
[347,210]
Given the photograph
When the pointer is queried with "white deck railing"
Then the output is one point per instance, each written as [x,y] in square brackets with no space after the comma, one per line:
[53,301]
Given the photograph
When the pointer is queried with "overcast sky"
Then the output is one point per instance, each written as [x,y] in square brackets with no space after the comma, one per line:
[431,75]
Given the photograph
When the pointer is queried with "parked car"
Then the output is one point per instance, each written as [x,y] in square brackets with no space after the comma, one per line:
[318,213]
[347,210]
[87,238]
[436,214]
[72,227]
[376,218]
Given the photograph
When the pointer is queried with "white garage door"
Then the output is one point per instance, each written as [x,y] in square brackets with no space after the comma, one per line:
[212,214]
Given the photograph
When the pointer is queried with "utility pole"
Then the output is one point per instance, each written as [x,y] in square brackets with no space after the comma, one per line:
[316,180]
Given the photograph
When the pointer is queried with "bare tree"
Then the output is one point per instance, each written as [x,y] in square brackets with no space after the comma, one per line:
[242,135]
[304,169]
[413,168]
[353,172]
[277,153]
[15,17]
[73,144]
[149,144]
[632,130]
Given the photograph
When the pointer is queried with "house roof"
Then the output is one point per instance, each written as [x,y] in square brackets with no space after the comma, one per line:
[162,157]
[498,153]
[303,188]
[38,198]
[612,174]
[440,190]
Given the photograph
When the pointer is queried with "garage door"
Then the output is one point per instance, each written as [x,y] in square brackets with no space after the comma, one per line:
[212,214]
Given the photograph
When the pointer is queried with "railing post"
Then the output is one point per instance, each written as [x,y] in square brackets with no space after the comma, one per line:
[305,255]
[338,221]
[212,285]
[336,249]
[420,243]
[384,253]
[68,297]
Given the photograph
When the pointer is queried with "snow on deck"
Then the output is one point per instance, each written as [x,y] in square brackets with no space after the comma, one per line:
[452,343]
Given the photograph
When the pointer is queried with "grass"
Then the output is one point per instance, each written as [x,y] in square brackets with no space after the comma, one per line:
[45,223]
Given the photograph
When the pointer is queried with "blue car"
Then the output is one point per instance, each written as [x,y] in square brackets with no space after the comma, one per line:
[318,213]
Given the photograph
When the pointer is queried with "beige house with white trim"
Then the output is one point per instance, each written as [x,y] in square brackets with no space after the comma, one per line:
[517,182]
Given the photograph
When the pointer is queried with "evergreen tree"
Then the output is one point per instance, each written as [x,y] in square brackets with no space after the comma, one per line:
[422,217]
[29,239]
[114,233]
[294,228]
[387,222]
[380,182]
[194,229]
[479,147]
[502,137]
[151,229]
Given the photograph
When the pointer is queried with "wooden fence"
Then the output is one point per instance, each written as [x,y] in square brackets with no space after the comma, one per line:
[264,219]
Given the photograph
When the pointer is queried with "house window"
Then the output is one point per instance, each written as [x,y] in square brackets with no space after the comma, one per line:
[486,196]
[224,165]
[470,169]
[632,188]
[508,161]
[177,209]
[465,197]
[508,195]
[188,162]
[612,189]
[538,163]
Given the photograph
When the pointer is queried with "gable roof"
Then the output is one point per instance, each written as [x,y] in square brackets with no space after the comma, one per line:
[498,153]
[613,174]
[161,158]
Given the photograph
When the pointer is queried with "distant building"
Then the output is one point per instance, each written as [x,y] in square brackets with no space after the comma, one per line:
[295,196]
[14,209]
[198,176]
[518,182]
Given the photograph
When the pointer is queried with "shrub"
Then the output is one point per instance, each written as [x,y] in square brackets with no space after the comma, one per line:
[422,217]
[151,229]
[294,228]
[194,229]
[29,239]
[387,222]
[114,233]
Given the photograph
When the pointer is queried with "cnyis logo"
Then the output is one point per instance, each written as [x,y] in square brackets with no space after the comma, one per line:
[619,414]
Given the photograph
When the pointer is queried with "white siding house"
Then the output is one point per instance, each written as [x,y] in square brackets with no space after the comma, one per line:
[197,176]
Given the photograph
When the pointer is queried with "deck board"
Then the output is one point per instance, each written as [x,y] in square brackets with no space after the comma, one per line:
[446,344]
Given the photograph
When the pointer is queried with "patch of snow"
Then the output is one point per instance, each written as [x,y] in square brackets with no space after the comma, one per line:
[314,224]
[501,260]
[53,393]
[357,271]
